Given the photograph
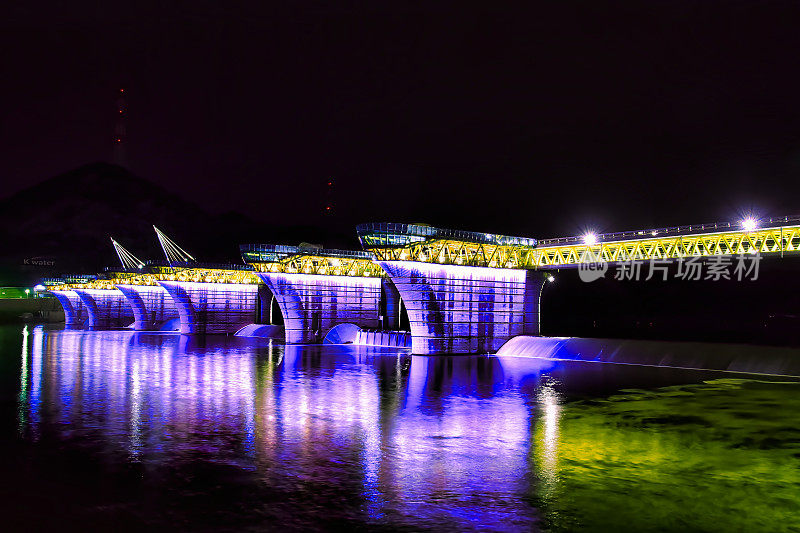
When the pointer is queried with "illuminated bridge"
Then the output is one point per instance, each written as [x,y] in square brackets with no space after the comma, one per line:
[206,298]
[410,242]
[179,293]
[469,292]
[464,292]
[319,290]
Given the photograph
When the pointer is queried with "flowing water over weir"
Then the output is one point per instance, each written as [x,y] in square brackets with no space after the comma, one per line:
[136,430]
[691,355]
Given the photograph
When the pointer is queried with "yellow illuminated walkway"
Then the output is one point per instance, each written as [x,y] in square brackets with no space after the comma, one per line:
[408,242]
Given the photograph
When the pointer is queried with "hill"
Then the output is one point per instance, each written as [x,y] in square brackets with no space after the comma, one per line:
[63,224]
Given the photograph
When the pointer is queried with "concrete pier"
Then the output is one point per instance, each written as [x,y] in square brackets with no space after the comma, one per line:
[75,314]
[456,309]
[151,304]
[313,304]
[106,308]
[213,308]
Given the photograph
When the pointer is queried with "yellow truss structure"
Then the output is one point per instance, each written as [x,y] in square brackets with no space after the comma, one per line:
[197,275]
[104,284]
[322,265]
[454,252]
[762,241]
[203,275]
[770,241]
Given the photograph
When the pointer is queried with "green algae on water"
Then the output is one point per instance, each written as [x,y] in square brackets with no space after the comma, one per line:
[723,455]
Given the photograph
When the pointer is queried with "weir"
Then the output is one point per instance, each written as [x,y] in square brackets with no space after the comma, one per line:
[695,355]
[460,288]
[312,305]
[152,306]
[204,298]
[464,292]
[106,308]
[318,289]
[458,309]
[213,308]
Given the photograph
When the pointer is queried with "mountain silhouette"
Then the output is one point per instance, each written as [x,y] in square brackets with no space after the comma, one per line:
[63,225]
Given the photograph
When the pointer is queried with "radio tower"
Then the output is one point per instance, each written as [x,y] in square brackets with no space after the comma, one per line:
[119,131]
[329,197]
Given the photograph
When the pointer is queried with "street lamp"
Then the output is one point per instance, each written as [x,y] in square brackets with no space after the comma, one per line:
[749,223]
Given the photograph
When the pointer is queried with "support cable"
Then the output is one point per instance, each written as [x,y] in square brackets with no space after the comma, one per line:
[128,260]
[173,252]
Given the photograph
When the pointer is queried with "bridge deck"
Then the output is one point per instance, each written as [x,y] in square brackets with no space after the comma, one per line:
[442,246]
[280,259]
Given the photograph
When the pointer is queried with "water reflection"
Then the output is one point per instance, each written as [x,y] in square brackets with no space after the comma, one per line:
[547,435]
[334,434]
[427,440]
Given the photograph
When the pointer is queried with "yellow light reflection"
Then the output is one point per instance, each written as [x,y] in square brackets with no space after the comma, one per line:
[547,439]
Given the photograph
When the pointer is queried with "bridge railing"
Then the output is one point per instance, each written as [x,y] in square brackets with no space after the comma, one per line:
[275,259]
[198,265]
[275,253]
[395,234]
[676,230]
[149,266]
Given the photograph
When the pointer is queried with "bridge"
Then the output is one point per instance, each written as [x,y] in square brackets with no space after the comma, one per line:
[207,298]
[464,292]
[318,289]
[179,293]
[470,292]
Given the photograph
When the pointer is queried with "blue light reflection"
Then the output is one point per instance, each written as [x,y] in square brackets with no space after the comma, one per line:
[420,441]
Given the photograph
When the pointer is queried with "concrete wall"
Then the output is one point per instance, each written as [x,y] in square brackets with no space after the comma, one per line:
[151,304]
[213,308]
[75,314]
[106,308]
[34,310]
[461,310]
[311,304]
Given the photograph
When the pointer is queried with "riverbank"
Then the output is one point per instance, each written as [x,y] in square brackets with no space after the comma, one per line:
[14,310]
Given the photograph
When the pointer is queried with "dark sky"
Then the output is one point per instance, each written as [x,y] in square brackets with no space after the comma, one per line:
[537,122]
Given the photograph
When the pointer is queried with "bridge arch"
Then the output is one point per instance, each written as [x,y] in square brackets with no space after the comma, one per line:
[313,304]
[74,311]
[393,309]
[153,309]
[106,308]
[213,308]
[465,309]
[269,311]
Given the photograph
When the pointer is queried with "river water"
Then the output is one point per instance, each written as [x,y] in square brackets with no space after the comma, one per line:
[136,431]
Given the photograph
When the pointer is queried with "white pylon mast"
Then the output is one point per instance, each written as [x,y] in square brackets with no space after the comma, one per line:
[173,252]
[128,260]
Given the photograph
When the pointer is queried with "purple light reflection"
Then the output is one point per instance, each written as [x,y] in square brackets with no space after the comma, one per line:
[425,442]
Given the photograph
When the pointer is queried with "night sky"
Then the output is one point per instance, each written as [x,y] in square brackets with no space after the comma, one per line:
[540,122]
